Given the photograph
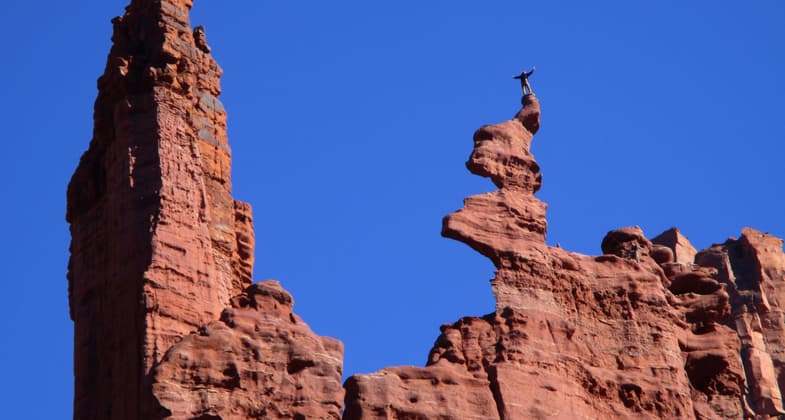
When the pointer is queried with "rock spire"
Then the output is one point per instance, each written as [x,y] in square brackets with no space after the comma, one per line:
[649,329]
[162,255]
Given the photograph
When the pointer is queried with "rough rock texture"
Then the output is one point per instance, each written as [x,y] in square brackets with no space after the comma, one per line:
[159,246]
[641,331]
[169,325]
[416,393]
[683,251]
[753,268]
[258,361]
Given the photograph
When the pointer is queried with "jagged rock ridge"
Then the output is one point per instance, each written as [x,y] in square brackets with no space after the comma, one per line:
[162,255]
[649,329]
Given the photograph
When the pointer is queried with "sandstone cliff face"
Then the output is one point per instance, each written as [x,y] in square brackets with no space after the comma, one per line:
[649,329]
[169,325]
[753,268]
[159,246]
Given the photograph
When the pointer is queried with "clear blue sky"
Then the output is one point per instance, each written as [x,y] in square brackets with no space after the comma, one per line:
[350,123]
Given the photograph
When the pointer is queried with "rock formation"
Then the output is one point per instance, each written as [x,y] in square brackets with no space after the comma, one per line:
[169,325]
[162,255]
[258,361]
[680,247]
[649,329]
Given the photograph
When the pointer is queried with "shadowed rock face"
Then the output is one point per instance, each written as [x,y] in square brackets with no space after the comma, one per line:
[753,270]
[641,331]
[159,246]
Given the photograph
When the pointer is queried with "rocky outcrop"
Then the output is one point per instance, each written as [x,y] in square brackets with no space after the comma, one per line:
[159,246]
[753,268]
[679,245]
[641,331]
[258,361]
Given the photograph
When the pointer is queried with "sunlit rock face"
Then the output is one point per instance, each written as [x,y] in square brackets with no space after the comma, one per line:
[160,249]
[169,325]
[650,329]
[260,360]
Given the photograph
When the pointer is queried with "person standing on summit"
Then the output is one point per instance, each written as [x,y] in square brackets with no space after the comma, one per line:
[524,78]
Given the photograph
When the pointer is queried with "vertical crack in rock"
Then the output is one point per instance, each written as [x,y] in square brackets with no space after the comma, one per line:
[493,377]
[160,250]
[753,268]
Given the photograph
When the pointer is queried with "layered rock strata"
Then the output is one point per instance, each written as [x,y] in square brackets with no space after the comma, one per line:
[649,329]
[159,246]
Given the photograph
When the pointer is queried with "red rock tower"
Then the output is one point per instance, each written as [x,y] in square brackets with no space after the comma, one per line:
[159,246]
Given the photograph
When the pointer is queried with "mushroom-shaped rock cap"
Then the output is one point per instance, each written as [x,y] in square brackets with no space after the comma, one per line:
[621,241]
[268,295]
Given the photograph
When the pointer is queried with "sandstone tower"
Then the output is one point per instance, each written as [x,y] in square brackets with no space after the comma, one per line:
[159,246]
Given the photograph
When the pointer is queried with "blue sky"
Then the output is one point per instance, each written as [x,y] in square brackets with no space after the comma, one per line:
[350,123]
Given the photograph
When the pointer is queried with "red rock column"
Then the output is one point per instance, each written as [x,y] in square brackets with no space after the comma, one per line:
[507,225]
[155,230]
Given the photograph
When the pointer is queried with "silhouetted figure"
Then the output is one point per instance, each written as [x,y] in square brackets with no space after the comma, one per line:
[200,39]
[524,78]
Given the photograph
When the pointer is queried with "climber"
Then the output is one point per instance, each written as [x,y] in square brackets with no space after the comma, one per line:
[635,252]
[524,78]
[200,39]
